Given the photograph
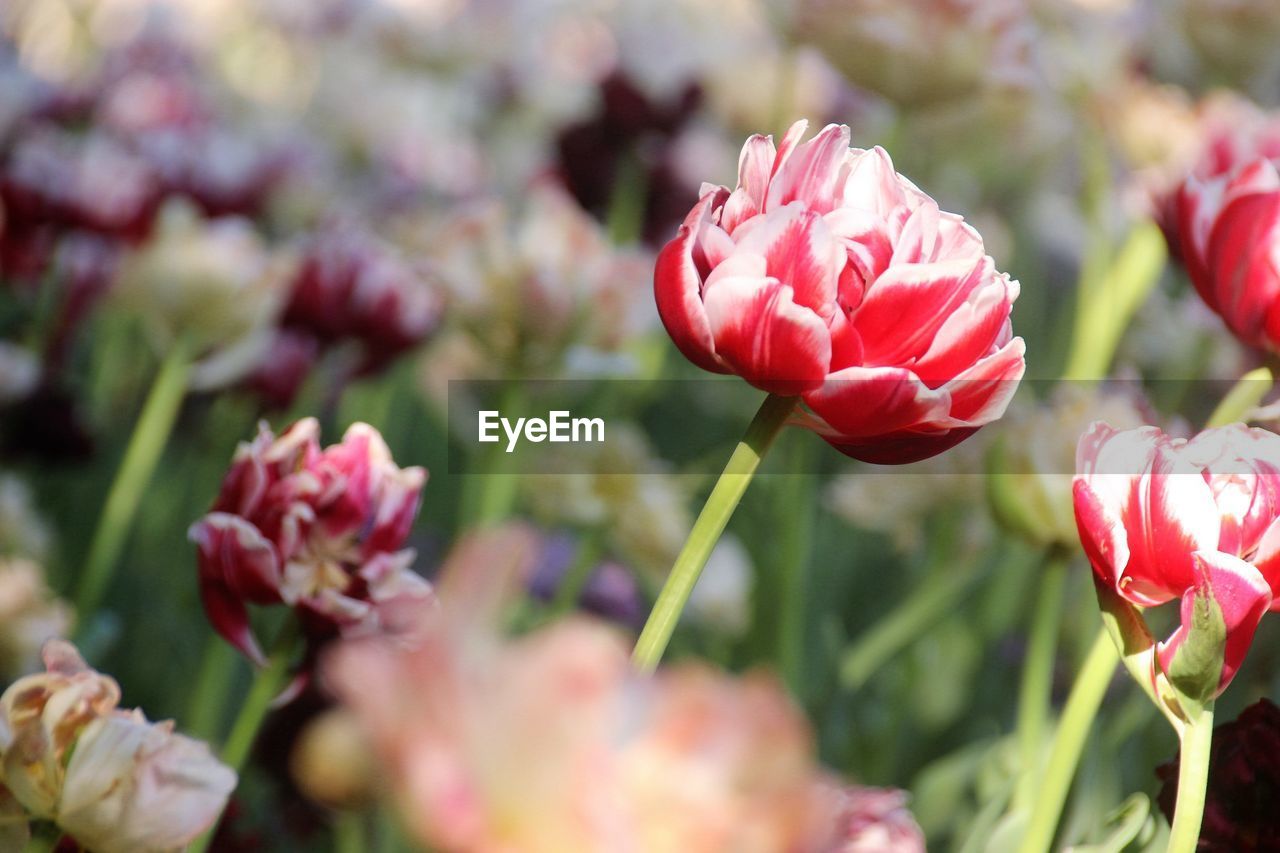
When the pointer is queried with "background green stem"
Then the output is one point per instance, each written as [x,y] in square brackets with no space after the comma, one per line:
[711,522]
[204,712]
[1073,729]
[150,435]
[267,684]
[906,623]
[1193,780]
[1037,676]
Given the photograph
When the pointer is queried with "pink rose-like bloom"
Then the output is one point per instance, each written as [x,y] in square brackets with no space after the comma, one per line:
[828,275]
[1223,221]
[1166,518]
[319,530]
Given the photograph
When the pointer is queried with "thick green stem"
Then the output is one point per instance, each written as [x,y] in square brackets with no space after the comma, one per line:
[1068,742]
[267,684]
[1193,781]
[711,522]
[1037,676]
[150,435]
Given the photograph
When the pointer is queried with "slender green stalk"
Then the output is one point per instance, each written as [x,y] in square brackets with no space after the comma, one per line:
[1244,396]
[711,522]
[208,698]
[926,605]
[624,219]
[792,562]
[267,684]
[1068,742]
[1193,780]
[150,435]
[1037,676]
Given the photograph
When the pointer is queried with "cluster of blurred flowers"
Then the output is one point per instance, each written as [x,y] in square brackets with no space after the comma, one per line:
[550,741]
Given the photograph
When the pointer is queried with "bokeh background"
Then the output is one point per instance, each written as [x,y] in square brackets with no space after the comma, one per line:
[337,208]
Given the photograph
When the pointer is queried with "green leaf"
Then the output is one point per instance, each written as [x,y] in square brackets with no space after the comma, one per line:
[1196,668]
[1131,824]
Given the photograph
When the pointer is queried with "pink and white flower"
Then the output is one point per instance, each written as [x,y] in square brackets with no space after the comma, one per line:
[1166,518]
[828,275]
[319,530]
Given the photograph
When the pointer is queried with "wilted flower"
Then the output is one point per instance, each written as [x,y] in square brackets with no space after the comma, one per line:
[1244,784]
[210,283]
[550,741]
[109,778]
[30,616]
[1167,518]
[921,52]
[827,274]
[319,530]
[1031,466]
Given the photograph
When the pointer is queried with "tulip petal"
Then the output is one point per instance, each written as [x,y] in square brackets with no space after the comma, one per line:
[904,308]
[677,289]
[1245,282]
[981,393]
[799,252]
[811,173]
[764,336]
[1173,513]
[968,334]
[859,402]
[1243,596]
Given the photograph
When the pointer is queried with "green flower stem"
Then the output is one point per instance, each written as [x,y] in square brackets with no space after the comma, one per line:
[1037,676]
[1244,396]
[721,503]
[907,622]
[1193,780]
[150,435]
[792,562]
[204,711]
[267,684]
[1068,742]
